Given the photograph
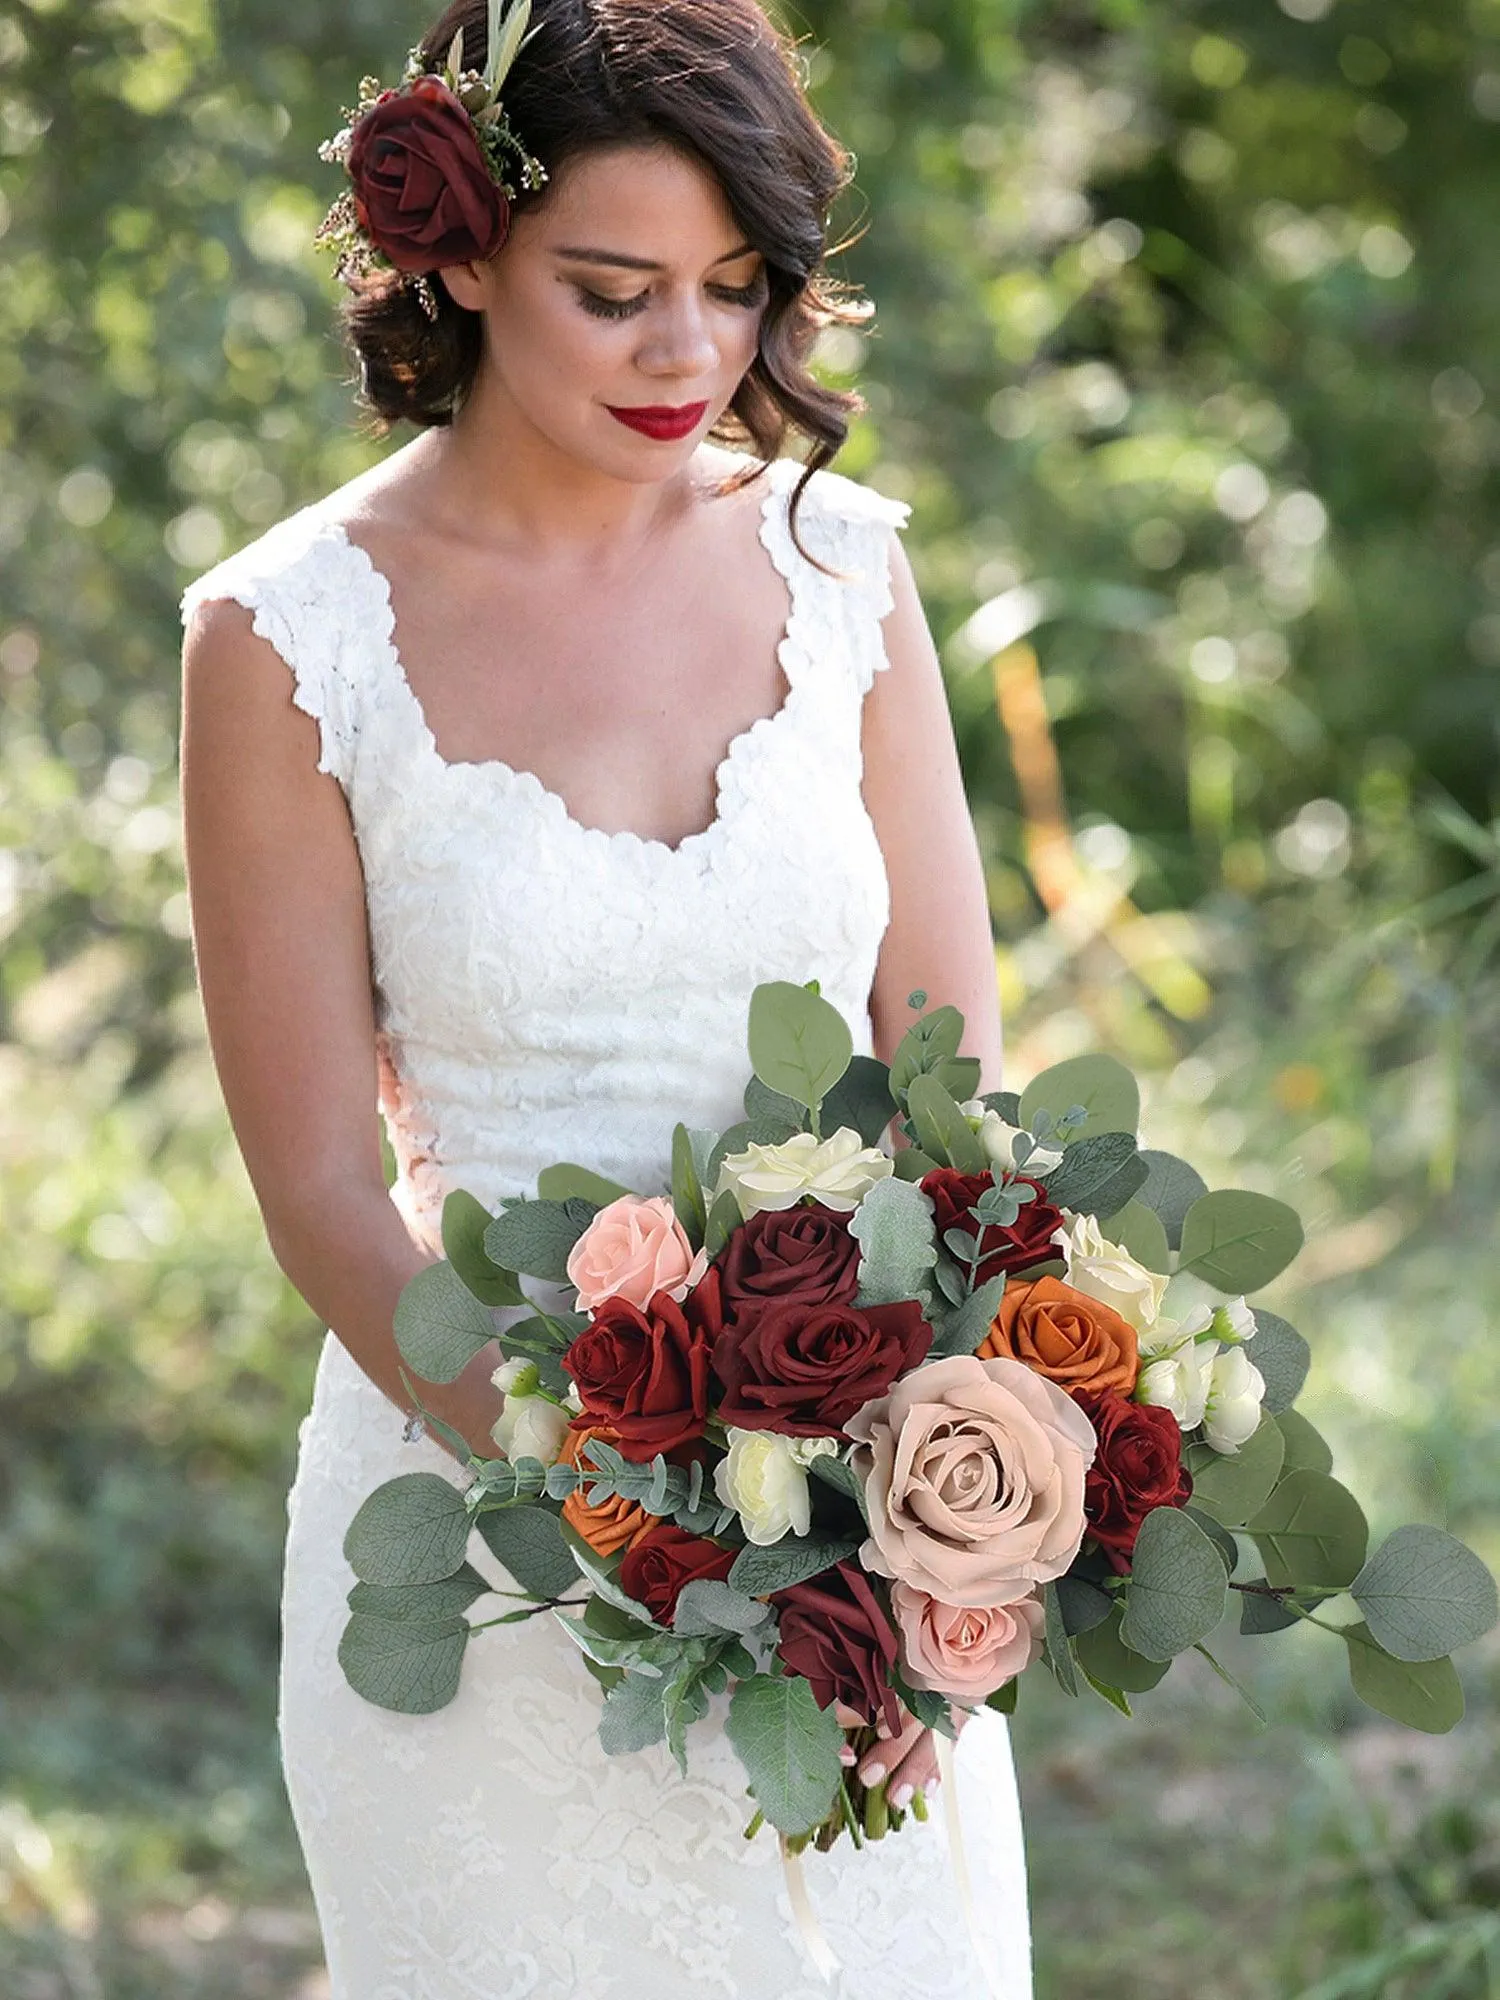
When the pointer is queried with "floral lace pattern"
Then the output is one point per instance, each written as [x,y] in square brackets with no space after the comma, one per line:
[492,1851]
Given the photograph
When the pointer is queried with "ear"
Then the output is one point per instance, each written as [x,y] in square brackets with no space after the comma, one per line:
[464,284]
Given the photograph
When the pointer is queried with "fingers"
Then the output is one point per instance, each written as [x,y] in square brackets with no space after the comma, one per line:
[917,1771]
[886,1756]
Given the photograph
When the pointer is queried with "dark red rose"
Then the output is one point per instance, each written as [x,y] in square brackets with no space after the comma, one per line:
[835,1634]
[803,1255]
[654,1569]
[421,183]
[1026,1242]
[806,1369]
[647,1373]
[1138,1466]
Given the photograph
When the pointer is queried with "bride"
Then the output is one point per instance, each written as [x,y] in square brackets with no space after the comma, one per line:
[509,769]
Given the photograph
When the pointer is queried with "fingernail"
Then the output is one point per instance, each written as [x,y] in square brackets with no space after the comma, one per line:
[846,1754]
[874,1773]
[901,1796]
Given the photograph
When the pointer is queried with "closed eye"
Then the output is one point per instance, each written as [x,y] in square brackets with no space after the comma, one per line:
[603,307]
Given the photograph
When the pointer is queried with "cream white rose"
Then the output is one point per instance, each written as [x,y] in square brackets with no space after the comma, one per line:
[997,1139]
[765,1481]
[1107,1271]
[1236,1389]
[839,1171]
[1176,1365]
[530,1427]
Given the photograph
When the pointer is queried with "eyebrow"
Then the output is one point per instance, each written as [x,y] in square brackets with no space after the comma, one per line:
[585,255]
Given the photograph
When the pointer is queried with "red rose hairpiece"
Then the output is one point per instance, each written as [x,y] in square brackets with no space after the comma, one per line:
[433,164]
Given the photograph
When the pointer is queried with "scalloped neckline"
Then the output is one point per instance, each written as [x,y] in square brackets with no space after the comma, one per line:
[475,770]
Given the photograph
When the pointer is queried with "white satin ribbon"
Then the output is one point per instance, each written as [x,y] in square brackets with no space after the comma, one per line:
[811,1932]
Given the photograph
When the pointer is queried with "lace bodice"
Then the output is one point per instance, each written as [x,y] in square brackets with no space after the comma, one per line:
[581,990]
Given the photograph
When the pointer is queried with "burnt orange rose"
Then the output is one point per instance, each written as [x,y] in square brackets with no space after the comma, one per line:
[614,1523]
[1075,1341]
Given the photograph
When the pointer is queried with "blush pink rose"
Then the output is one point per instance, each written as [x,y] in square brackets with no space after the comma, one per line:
[633,1248]
[965,1651]
[973,1473]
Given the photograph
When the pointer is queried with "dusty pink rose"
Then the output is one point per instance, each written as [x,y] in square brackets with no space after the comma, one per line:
[633,1248]
[973,1473]
[965,1651]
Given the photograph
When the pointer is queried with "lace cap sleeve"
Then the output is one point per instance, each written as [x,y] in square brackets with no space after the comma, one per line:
[858,524]
[276,579]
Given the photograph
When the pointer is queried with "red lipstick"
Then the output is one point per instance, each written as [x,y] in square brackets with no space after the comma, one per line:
[660,420]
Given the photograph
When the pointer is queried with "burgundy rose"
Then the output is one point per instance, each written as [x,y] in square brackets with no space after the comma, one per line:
[654,1569]
[1137,1466]
[803,1255]
[805,1369]
[422,186]
[647,1373]
[1026,1242]
[835,1634]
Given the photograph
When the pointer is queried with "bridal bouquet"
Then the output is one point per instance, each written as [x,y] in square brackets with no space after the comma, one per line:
[828,1425]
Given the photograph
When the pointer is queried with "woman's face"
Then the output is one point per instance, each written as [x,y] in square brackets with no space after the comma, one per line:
[628,288]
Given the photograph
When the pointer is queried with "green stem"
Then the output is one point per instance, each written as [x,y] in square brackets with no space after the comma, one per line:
[755,1825]
[515,1617]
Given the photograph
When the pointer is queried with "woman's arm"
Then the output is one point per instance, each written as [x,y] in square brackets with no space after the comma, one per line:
[282,953]
[939,936]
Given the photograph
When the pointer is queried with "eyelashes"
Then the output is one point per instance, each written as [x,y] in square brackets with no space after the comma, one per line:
[753,294]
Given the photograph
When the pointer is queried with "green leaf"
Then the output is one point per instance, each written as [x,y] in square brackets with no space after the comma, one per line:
[1306,1449]
[1116,1697]
[1082,1604]
[687,1190]
[1170,1189]
[1311,1531]
[464,1222]
[724,1218]
[760,1571]
[535,1237]
[1259,1615]
[413,1529]
[764,1106]
[1231,1681]
[931,1040]
[1006,1102]
[601,1575]
[1104,1087]
[800,1044]
[632,1717]
[709,1605]
[861,1099]
[840,1474]
[529,1541]
[1237,1240]
[789,1748]
[1003,1700]
[960,1330]
[1178,1591]
[942,1129]
[1232,1488]
[428,1603]
[409,1665]
[1218,1534]
[1424,1694]
[1138,1229]
[893,1228]
[1104,1656]
[1283,1358]
[1087,1166]
[1056,1650]
[912,1164]
[1423,1593]
[565,1181]
[440,1324]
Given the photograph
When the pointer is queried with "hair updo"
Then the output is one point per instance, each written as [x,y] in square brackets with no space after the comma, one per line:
[712,77]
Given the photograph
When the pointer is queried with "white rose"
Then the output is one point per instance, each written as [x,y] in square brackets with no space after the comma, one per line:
[998,1139]
[839,1171]
[1107,1271]
[530,1427]
[1176,1366]
[1232,1411]
[764,1480]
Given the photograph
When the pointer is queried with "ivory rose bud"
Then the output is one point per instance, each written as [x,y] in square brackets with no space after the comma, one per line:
[633,1248]
[1107,1271]
[973,1473]
[764,1479]
[998,1140]
[1231,1413]
[839,1170]
[1176,1365]
[530,1427]
[966,1651]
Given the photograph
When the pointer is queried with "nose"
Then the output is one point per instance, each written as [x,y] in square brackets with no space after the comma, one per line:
[680,340]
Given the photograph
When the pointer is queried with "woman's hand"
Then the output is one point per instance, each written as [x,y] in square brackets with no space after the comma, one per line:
[907,1761]
[470,1403]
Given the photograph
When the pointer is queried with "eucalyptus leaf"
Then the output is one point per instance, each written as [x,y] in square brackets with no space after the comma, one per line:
[861,1099]
[409,1665]
[1238,1240]
[463,1225]
[929,1040]
[1081,1604]
[535,1237]
[1120,1188]
[600,1574]
[1105,1088]
[1178,1591]
[1057,1652]
[893,1228]
[1169,1190]
[632,1717]
[1104,1656]
[800,1044]
[1234,1487]
[1138,1229]
[1306,1448]
[764,1104]
[724,1218]
[565,1180]
[912,1164]
[840,1474]
[961,1329]
[1283,1358]
[759,1571]
[1311,1531]
[687,1190]
[440,1325]
[1218,1534]
[426,1603]
[1422,1694]
[529,1542]
[413,1529]
[1086,1167]
[943,1132]
[709,1605]
[1006,1102]
[1423,1593]
[1260,1614]
[789,1748]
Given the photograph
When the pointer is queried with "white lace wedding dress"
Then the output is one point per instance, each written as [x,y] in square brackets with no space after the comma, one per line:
[549,991]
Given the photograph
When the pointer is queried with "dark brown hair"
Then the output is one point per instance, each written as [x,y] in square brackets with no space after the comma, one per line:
[712,77]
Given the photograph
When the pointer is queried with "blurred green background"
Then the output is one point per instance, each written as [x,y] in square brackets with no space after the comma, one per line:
[1189,315]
